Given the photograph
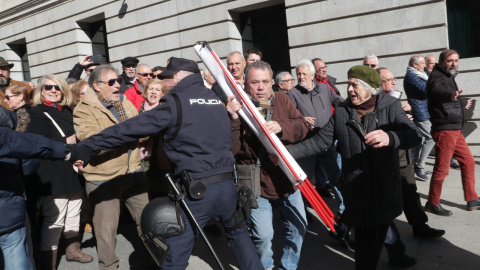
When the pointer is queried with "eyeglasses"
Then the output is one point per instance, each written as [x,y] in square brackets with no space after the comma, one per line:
[289,80]
[146,74]
[370,65]
[112,81]
[49,87]
[7,97]
[89,70]
[390,80]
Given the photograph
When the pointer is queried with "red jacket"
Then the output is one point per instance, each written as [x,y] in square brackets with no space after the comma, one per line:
[135,96]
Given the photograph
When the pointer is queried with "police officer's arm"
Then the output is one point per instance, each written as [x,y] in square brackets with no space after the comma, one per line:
[233,107]
[16,144]
[148,123]
[316,144]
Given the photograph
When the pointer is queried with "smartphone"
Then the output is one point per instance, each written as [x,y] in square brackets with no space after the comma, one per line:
[96,58]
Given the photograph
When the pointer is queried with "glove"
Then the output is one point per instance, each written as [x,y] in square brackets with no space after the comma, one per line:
[80,152]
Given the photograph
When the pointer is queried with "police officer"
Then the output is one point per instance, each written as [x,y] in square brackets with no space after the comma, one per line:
[198,138]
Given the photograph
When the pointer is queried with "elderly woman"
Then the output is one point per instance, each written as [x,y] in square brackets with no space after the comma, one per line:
[369,127]
[56,183]
[18,99]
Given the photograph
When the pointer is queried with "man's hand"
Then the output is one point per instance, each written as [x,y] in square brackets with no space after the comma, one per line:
[86,60]
[80,155]
[406,107]
[310,121]
[233,107]
[274,159]
[456,94]
[377,138]
[273,126]
[469,104]
[72,139]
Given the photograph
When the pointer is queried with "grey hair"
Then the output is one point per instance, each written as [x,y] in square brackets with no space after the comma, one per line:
[306,63]
[141,65]
[371,56]
[235,52]
[261,65]
[369,87]
[97,73]
[279,77]
[415,59]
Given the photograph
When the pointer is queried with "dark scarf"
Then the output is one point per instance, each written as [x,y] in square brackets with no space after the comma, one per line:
[122,114]
[55,105]
[367,106]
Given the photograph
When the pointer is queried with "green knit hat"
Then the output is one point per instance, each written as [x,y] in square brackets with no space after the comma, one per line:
[366,74]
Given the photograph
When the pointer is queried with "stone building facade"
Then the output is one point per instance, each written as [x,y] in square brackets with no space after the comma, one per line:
[50,36]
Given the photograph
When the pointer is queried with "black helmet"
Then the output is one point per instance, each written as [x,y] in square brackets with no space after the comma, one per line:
[161,218]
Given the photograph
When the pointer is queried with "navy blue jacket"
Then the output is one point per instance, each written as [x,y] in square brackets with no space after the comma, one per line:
[19,145]
[415,88]
[204,142]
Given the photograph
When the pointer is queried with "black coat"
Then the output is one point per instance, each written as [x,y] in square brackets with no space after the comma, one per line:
[370,180]
[53,176]
[445,114]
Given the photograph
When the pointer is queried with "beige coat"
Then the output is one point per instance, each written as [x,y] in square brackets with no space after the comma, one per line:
[90,117]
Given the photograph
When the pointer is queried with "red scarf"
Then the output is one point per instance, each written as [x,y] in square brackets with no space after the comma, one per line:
[53,105]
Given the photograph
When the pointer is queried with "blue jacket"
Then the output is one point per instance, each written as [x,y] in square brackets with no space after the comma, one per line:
[19,145]
[203,144]
[415,88]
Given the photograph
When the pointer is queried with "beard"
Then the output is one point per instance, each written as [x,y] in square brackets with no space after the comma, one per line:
[452,70]
[4,81]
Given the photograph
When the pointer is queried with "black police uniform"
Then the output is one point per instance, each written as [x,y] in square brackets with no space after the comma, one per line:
[203,146]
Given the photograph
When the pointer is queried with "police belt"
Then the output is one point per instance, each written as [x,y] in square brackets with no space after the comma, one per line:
[216,178]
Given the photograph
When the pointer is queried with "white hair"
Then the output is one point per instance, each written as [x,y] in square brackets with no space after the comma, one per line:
[306,63]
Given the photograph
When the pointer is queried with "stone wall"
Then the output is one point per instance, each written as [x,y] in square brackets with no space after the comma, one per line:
[341,32]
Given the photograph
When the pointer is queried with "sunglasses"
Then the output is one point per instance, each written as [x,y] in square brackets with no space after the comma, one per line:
[370,65]
[112,81]
[146,74]
[49,87]
[156,76]
[7,97]
[89,70]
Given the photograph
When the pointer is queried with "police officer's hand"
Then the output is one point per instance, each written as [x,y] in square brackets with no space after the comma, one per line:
[273,126]
[233,107]
[377,138]
[80,155]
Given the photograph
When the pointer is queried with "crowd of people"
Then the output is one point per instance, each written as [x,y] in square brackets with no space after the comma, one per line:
[123,131]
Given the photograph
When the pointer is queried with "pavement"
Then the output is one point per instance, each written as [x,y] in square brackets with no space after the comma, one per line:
[458,249]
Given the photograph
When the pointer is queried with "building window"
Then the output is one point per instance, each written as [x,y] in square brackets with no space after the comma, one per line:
[463,25]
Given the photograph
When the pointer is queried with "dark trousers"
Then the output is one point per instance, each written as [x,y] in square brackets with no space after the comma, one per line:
[412,206]
[219,202]
[368,246]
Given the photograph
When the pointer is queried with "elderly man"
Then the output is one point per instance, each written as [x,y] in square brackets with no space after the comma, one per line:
[371,61]
[431,61]
[236,65]
[315,100]
[252,55]
[446,115]
[276,189]
[143,74]
[129,64]
[415,84]
[5,80]
[284,82]
[198,140]
[112,176]
[321,75]
[208,78]
[369,129]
